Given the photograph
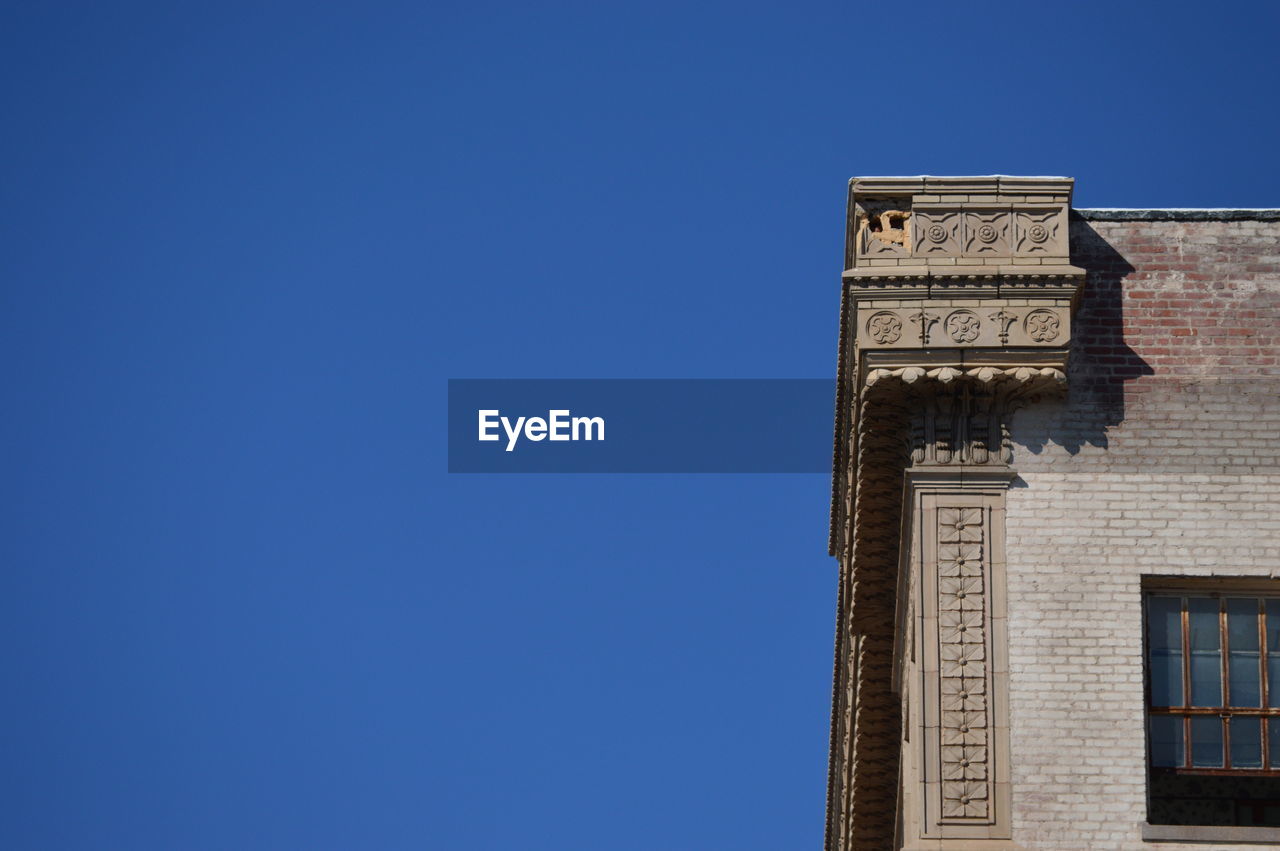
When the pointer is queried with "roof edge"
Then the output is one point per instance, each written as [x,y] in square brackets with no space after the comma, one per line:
[1179,214]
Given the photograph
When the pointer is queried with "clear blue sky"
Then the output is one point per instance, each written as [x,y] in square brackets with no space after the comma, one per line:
[242,604]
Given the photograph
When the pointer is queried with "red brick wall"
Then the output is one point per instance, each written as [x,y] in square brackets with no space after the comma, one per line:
[1172,299]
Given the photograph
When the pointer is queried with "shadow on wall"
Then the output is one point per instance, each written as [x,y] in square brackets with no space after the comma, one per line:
[1099,363]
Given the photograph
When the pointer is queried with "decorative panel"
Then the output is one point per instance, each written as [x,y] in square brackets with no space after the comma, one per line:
[1040,231]
[958,783]
[986,233]
[937,232]
[962,657]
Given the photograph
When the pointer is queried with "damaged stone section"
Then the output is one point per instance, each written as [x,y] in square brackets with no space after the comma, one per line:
[888,227]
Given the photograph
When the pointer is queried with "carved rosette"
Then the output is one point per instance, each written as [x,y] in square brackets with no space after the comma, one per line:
[885,327]
[1043,326]
[962,654]
[963,325]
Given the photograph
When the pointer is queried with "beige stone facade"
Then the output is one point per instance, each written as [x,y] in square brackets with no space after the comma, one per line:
[1044,414]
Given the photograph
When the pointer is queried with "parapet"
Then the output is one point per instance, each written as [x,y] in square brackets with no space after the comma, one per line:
[961,262]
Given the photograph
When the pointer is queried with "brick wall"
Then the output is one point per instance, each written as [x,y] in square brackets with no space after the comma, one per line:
[1164,459]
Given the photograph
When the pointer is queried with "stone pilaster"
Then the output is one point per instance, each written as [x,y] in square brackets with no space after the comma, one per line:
[958,296]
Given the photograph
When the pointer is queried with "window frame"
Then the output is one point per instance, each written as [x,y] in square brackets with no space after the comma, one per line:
[1220,592]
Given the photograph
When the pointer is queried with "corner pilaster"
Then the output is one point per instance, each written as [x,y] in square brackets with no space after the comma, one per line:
[957,309]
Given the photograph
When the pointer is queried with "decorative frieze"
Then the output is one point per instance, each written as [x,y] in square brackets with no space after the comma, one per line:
[984,219]
[993,324]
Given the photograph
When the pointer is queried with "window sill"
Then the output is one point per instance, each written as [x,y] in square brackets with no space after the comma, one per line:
[1187,833]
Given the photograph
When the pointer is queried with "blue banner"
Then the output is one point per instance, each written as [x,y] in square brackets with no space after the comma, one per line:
[660,425]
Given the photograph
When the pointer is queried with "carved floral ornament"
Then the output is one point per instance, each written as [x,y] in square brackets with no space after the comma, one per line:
[1039,232]
[964,728]
[960,560]
[964,762]
[960,594]
[964,799]
[963,660]
[963,325]
[1042,325]
[960,524]
[959,693]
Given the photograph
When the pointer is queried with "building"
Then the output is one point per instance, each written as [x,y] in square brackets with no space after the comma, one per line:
[1056,510]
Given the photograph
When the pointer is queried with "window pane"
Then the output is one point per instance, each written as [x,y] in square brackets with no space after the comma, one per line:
[1206,652]
[1166,741]
[1273,654]
[1246,742]
[1242,653]
[1206,741]
[1273,741]
[1164,638]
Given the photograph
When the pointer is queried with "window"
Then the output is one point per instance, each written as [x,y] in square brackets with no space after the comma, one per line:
[1213,708]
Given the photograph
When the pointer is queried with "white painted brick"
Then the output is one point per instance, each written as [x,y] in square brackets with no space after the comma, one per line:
[1138,494]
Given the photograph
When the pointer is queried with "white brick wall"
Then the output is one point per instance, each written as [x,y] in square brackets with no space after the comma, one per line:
[1181,478]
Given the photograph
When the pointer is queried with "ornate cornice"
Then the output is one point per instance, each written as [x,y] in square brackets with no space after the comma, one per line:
[956,309]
